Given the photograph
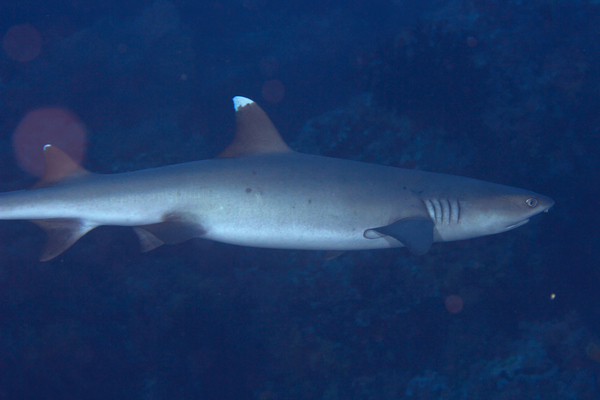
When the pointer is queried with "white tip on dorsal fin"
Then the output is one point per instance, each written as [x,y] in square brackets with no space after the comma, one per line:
[58,166]
[254,132]
[239,102]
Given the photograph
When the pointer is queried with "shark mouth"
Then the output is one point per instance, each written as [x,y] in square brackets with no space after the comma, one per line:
[518,224]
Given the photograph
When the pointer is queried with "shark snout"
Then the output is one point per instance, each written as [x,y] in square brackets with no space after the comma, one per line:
[544,203]
[536,204]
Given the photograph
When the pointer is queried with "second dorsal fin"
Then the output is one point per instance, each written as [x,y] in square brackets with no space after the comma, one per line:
[58,166]
[254,132]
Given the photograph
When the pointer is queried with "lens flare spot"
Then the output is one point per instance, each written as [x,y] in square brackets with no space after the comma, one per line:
[50,125]
[593,352]
[22,43]
[273,91]
[472,41]
[454,304]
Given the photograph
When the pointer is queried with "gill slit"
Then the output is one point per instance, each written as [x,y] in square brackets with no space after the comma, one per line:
[443,211]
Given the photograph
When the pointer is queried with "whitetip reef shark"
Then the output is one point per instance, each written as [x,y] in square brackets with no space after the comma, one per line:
[258,192]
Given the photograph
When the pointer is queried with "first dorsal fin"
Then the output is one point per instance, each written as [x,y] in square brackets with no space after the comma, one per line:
[254,132]
[58,166]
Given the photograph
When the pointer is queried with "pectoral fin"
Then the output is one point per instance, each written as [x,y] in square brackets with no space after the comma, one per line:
[415,233]
[62,233]
[147,240]
[175,228]
[331,254]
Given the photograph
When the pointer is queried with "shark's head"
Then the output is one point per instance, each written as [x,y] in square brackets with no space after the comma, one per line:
[489,209]
[517,209]
[507,210]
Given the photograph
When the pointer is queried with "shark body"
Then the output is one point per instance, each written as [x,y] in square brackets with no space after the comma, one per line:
[261,193]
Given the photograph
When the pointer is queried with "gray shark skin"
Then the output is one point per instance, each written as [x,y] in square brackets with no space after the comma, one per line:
[261,193]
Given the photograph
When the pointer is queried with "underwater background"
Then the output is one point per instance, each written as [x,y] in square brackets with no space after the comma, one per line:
[504,91]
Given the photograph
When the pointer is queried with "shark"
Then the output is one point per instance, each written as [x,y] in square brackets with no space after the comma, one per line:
[259,192]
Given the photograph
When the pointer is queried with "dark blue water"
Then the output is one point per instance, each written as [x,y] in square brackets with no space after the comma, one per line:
[502,91]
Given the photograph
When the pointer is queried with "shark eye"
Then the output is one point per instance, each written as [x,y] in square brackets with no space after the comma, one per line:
[531,202]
